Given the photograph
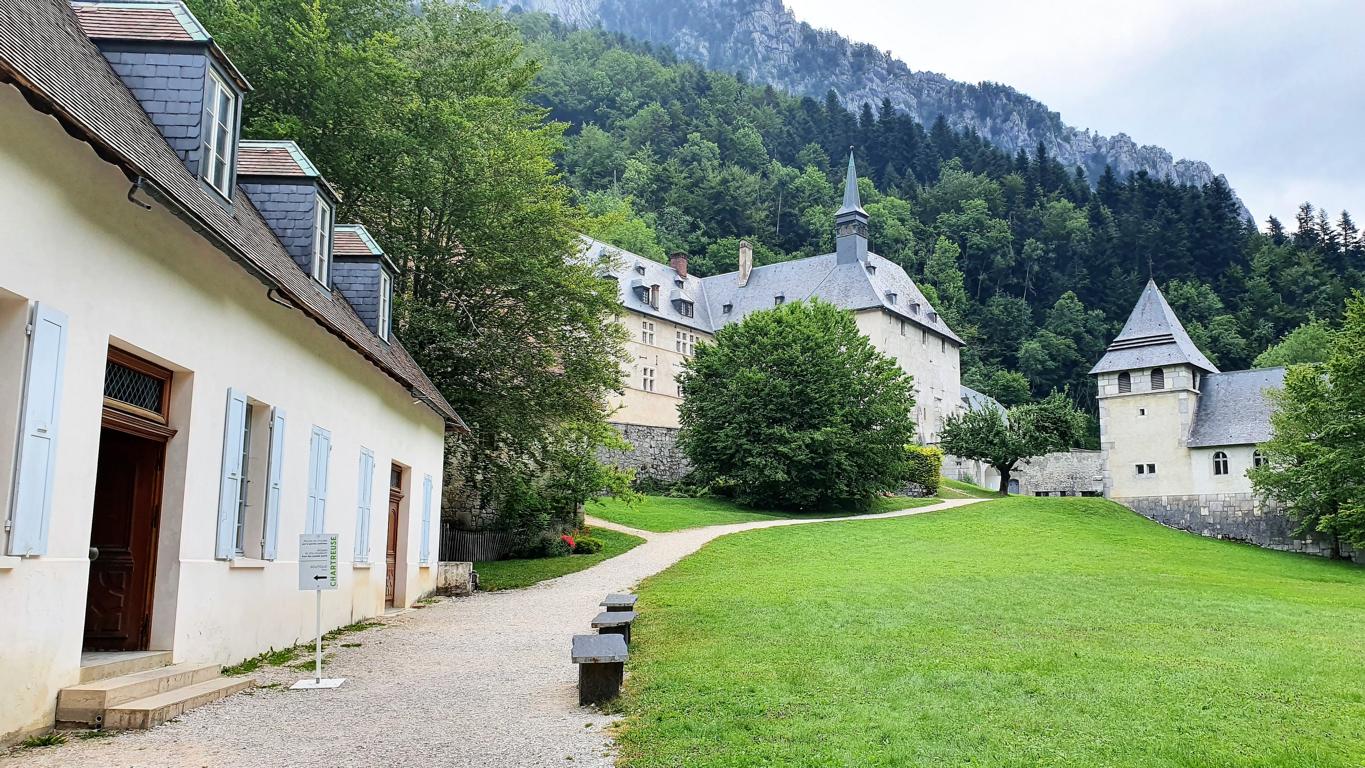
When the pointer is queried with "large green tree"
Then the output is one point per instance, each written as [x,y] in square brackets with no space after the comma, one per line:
[793,408]
[1315,458]
[1003,438]
[425,122]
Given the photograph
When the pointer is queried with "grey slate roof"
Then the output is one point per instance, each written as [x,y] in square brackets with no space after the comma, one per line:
[46,55]
[1153,336]
[1233,408]
[852,202]
[849,286]
[974,400]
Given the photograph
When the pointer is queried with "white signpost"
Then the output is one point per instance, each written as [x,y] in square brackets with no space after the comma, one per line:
[318,571]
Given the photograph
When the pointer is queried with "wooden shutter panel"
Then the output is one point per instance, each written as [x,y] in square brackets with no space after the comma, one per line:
[426,520]
[231,480]
[270,544]
[37,456]
[319,457]
[363,499]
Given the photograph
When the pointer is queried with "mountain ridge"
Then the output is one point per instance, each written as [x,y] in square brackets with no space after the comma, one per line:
[765,42]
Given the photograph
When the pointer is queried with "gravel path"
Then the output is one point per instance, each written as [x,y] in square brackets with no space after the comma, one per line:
[479,681]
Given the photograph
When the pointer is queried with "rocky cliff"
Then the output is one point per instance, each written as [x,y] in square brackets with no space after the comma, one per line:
[764,41]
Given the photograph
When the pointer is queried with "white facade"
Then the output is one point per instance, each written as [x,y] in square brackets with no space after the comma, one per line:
[144,282]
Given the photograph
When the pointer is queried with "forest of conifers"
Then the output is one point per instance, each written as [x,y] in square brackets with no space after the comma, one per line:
[1035,266]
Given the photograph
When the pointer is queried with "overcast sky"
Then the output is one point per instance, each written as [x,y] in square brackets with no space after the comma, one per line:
[1271,94]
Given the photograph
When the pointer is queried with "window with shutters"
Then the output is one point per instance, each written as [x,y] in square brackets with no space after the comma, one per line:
[319,467]
[1125,383]
[254,497]
[364,505]
[1158,378]
[1220,463]
[33,344]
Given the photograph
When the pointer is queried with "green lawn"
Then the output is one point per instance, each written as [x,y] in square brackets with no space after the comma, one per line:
[1019,632]
[661,514]
[956,489]
[515,574]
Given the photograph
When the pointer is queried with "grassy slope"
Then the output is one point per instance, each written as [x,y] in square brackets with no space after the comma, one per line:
[662,514]
[1020,632]
[515,574]
[955,489]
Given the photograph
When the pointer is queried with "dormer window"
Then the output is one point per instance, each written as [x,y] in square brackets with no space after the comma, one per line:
[385,304]
[872,269]
[914,307]
[685,308]
[678,281]
[727,309]
[890,297]
[933,317]
[322,241]
[639,269]
[219,132]
[654,296]
[778,300]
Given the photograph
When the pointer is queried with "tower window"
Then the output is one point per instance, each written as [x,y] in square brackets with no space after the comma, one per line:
[1125,383]
[1220,463]
[1158,378]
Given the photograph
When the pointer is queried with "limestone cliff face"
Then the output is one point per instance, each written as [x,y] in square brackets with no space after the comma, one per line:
[765,42]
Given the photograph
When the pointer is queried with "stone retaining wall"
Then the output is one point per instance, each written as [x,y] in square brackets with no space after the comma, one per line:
[654,454]
[1235,516]
[1064,473]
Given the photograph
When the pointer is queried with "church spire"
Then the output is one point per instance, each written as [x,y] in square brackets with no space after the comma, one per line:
[850,220]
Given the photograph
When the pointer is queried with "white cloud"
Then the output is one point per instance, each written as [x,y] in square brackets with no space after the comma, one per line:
[1272,94]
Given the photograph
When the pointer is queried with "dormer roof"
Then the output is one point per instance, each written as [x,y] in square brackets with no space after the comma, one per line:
[155,21]
[1153,336]
[278,158]
[352,241]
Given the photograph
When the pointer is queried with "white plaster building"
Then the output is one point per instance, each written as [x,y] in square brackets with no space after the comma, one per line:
[668,310]
[1177,435]
[198,367]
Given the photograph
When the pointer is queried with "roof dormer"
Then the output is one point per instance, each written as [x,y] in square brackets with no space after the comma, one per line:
[295,200]
[186,84]
[365,276]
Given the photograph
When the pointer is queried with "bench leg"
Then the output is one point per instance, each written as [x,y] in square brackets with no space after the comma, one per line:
[599,682]
[623,631]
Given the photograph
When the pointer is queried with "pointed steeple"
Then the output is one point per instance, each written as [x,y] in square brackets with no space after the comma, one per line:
[1153,336]
[850,220]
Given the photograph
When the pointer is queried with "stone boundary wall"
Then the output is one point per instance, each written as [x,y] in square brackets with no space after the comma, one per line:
[1234,516]
[1072,473]
[654,453]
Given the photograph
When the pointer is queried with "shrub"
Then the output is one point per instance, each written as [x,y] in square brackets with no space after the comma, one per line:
[793,408]
[587,545]
[557,548]
[923,465]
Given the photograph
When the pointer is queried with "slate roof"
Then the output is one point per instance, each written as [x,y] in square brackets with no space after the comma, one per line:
[166,21]
[1233,408]
[849,286]
[46,55]
[974,400]
[852,203]
[277,158]
[1153,336]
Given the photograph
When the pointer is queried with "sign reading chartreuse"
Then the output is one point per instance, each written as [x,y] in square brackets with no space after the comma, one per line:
[317,561]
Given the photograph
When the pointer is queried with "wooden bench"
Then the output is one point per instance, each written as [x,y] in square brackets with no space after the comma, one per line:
[619,602]
[614,623]
[601,661]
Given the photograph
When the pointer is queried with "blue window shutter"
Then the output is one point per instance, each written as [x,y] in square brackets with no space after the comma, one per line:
[362,513]
[320,454]
[231,476]
[37,458]
[426,520]
[270,546]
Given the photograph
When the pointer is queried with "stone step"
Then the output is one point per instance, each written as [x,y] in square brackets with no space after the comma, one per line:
[101,665]
[86,703]
[155,710]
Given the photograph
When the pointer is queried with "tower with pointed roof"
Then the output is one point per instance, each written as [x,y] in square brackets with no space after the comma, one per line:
[1149,382]
[850,221]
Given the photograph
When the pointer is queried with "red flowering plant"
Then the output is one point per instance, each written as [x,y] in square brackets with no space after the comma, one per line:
[568,539]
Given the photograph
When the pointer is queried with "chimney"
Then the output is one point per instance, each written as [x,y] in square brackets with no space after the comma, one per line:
[746,262]
[678,261]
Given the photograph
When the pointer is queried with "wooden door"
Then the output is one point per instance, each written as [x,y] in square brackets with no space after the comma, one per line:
[391,548]
[123,537]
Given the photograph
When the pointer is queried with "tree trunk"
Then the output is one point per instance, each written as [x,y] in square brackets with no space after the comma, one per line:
[1004,480]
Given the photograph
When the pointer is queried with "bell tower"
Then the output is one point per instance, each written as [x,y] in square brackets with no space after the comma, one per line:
[850,221]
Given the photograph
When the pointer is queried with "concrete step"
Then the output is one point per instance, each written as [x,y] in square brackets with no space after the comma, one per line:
[86,703]
[155,710]
[102,665]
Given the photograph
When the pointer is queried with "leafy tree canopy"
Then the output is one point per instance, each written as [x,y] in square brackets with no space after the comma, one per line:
[1003,438]
[793,408]
[1309,343]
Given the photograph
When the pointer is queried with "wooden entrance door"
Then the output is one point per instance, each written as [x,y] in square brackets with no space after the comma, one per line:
[123,535]
[391,548]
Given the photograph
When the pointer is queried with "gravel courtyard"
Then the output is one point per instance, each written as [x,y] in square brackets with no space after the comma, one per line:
[480,681]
